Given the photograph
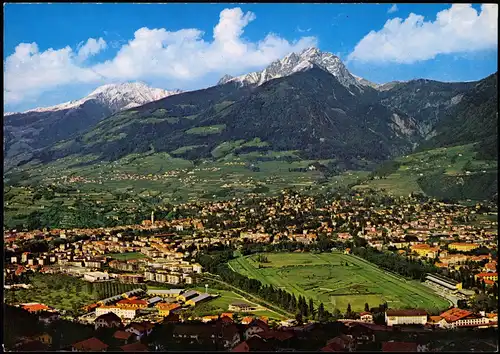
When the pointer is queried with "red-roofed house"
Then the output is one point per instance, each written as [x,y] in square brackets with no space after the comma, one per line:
[332,347]
[241,348]
[90,345]
[487,275]
[490,267]
[132,303]
[456,317]
[34,308]
[107,320]
[341,343]
[366,317]
[140,329]
[255,327]
[489,282]
[399,347]
[279,335]
[134,347]
[225,320]
[247,320]
[122,335]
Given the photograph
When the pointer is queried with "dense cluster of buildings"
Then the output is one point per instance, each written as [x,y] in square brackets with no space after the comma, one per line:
[437,233]
[250,333]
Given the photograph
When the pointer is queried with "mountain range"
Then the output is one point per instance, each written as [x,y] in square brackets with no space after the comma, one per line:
[306,102]
[29,131]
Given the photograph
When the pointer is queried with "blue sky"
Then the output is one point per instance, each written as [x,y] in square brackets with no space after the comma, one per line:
[59,52]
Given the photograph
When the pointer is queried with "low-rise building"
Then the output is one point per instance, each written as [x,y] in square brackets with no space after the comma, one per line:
[90,345]
[424,250]
[132,303]
[122,312]
[174,278]
[198,299]
[188,295]
[445,282]
[170,293]
[140,330]
[154,300]
[107,320]
[487,276]
[462,246]
[240,306]
[405,317]
[456,317]
[96,276]
[366,317]
[165,309]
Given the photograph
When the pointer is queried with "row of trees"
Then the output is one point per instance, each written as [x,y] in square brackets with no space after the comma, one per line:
[407,267]
[109,289]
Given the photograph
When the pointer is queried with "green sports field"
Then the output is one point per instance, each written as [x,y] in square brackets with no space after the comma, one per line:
[323,278]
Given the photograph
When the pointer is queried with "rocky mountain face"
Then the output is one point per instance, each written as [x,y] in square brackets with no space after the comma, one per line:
[426,101]
[310,111]
[471,118]
[37,128]
[307,102]
[296,62]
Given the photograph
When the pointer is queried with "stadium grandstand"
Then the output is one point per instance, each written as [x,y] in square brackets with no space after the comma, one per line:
[445,282]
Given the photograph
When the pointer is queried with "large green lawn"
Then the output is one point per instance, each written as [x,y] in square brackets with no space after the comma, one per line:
[323,278]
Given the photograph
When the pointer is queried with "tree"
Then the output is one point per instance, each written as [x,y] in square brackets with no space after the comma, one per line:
[321,312]
[311,308]
[298,318]
[186,314]
[367,308]
[337,314]
[349,308]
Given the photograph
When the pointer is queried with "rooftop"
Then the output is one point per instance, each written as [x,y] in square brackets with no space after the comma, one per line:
[403,313]
[134,347]
[455,314]
[399,347]
[92,344]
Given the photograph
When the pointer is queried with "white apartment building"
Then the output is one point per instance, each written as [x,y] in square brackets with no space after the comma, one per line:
[95,276]
[120,312]
[405,317]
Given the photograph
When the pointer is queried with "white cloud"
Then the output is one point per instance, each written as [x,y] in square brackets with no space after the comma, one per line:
[180,56]
[303,30]
[393,9]
[29,72]
[458,29]
[92,47]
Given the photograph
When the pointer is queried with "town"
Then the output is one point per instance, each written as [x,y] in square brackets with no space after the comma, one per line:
[153,274]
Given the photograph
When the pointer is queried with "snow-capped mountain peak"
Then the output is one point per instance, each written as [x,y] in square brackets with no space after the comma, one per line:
[116,97]
[224,79]
[295,62]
